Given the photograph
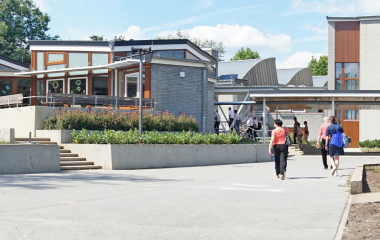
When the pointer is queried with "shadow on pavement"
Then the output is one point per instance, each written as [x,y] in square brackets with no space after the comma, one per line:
[305,177]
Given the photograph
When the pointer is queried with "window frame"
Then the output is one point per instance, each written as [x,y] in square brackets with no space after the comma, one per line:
[343,78]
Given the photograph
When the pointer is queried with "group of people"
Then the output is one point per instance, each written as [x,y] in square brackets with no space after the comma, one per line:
[298,134]
[331,145]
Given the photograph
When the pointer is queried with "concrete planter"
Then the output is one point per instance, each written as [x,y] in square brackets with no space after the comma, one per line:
[17,158]
[142,156]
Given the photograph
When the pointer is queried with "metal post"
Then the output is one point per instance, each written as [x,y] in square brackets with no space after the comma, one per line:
[333,106]
[264,119]
[74,99]
[140,95]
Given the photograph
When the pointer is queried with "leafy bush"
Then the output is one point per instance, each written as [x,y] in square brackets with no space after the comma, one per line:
[154,137]
[370,144]
[115,120]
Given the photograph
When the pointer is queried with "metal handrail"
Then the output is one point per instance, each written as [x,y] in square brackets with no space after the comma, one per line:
[46,97]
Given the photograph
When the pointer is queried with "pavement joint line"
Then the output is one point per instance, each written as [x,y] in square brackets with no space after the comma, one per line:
[343,220]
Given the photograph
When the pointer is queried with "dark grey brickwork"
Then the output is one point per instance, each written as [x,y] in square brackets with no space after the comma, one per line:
[182,95]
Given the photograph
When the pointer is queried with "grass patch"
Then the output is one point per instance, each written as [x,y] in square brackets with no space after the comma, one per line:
[5,142]
[369,150]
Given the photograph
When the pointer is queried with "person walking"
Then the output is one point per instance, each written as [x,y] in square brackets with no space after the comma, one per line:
[255,127]
[295,130]
[299,136]
[278,148]
[306,133]
[321,138]
[334,143]
[237,121]
[250,125]
[217,122]
[231,117]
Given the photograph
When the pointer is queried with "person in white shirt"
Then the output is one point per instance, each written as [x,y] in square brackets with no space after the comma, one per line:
[237,120]
[231,115]
[217,122]
[250,125]
[255,127]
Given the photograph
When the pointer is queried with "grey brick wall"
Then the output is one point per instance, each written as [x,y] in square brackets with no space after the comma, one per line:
[182,95]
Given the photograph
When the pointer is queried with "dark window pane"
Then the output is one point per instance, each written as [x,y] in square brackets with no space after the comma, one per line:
[338,70]
[338,84]
[78,86]
[40,91]
[351,85]
[5,87]
[55,86]
[23,87]
[351,70]
[169,54]
[100,85]
[351,114]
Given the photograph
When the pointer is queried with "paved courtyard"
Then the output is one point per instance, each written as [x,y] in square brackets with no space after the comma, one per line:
[243,201]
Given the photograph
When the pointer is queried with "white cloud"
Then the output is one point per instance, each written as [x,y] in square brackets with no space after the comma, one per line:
[298,60]
[369,6]
[235,36]
[134,32]
[201,4]
[319,29]
[42,5]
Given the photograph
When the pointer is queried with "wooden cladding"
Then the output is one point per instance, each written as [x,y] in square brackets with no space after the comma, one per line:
[347,41]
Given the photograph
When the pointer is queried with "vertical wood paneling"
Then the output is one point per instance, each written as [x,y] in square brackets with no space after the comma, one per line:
[351,128]
[148,76]
[347,41]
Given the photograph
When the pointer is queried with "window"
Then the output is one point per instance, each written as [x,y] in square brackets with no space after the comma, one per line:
[351,114]
[23,87]
[55,86]
[131,87]
[40,63]
[347,76]
[5,87]
[99,59]
[170,54]
[54,57]
[40,91]
[78,60]
[100,85]
[189,55]
[78,86]
[57,66]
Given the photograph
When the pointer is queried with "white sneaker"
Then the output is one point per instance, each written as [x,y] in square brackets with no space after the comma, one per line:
[336,173]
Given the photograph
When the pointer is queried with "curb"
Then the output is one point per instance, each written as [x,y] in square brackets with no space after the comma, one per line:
[343,220]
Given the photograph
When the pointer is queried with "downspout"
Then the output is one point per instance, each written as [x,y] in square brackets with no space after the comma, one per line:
[204,98]
[112,46]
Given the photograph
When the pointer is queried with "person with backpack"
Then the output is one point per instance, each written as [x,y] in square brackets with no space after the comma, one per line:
[278,148]
[334,143]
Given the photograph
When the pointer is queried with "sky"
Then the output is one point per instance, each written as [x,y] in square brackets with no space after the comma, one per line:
[292,31]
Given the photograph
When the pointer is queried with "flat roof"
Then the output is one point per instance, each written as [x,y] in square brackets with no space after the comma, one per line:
[352,19]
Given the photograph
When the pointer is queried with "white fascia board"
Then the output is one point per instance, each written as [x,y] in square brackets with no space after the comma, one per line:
[10,74]
[212,80]
[12,65]
[177,63]
[164,47]
[343,20]
[58,48]
[266,95]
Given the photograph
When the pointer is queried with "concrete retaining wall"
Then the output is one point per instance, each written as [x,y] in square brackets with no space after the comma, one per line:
[7,135]
[123,157]
[29,159]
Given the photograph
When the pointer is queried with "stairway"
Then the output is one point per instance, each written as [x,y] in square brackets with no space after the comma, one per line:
[295,151]
[69,161]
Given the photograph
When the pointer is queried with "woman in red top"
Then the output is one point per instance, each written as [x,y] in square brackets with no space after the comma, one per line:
[278,147]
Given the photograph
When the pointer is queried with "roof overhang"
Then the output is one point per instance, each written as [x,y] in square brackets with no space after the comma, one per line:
[115,65]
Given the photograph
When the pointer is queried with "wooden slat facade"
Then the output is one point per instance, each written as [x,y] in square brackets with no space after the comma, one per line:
[347,42]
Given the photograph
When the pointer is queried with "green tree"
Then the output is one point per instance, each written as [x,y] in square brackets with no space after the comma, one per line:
[202,43]
[319,67]
[245,54]
[97,38]
[21,21]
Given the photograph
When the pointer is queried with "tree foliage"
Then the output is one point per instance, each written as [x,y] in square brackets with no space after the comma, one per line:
[245,54]
[101,38]
[202,43]
[21,21]
[319,67]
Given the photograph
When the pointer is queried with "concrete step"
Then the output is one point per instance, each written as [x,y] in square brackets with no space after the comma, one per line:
[63,150]
[72,159]
[61,147]
[68,154]
[74,163]
[33,139]
[80,167]
[39,142]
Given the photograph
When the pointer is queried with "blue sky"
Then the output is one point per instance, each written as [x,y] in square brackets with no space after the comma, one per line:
[290,30]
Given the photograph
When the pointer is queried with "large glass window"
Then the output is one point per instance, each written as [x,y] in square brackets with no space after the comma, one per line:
[53,57]
[131,84]
[5,87]
[170,54]
[351,114]
[57,66]
[338,84]
[78,85]
[55,86]
[351,85]
[338,70]
[78,60]
[40,63]
[23,87]
[99,59]
[100,85]
[351,70]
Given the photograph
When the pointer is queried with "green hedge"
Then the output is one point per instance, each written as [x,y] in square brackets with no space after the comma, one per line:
[65,119]
[133,137]
[370,144]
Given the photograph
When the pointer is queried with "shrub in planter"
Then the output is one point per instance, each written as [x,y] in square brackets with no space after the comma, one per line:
[65,119]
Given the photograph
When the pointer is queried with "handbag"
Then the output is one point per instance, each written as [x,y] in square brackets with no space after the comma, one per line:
[337,138]
[288,140]
[346,141]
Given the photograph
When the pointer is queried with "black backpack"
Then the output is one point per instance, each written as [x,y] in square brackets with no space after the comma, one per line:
[259,125]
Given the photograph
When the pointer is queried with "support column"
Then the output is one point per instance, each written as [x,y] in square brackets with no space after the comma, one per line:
[264,119]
